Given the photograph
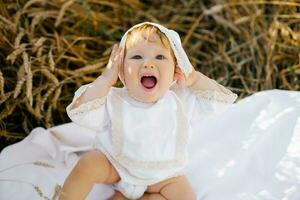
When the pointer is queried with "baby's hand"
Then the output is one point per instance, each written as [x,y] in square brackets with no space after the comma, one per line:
[113,66]
[181,79]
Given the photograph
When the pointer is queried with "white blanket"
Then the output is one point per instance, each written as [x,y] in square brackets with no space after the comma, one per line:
[251,151]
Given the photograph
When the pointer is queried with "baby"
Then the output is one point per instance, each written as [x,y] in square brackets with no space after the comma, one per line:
[143,128]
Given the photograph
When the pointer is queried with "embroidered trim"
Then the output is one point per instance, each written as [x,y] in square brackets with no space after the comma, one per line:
[88,106]
[43,164]
[118,140]
[129,177]
[212,95]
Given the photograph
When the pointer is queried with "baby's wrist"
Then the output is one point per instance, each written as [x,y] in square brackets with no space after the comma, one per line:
[193,79]
[102,81]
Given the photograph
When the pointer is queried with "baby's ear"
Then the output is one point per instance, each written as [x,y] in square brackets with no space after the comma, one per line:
[179,76]
[178,69]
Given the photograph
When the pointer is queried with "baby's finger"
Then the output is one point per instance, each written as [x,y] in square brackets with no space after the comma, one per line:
[179,75]
[119,50]
[115,47]
[117,60]
[179,81]
[113,55]
[118,54]
[177,69]
[113,52]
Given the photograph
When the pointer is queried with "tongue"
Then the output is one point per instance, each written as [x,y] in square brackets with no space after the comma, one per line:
[148,82]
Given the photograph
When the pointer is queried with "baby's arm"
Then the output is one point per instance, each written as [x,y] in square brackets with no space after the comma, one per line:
[202,96]
[101,86]
[197,81]
[88,108]
[202,82]
[95,90]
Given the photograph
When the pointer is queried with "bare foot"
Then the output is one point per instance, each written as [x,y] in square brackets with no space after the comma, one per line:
[118,196]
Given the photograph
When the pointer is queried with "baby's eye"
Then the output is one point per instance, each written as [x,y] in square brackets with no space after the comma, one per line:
[160,57]
[136,57]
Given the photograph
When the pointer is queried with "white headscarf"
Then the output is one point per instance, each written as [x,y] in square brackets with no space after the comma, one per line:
[175,42]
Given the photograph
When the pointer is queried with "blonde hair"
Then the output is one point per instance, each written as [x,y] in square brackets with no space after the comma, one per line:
[145,31]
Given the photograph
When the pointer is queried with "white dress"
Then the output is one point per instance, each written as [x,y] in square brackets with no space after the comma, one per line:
[146,142]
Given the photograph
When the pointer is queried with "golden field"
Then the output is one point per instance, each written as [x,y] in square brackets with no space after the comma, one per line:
[49,48]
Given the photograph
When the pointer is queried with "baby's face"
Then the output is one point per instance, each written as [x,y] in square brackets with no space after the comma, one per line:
[148,69]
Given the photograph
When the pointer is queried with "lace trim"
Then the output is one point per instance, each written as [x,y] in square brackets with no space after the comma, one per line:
[88,106]
[118,140]
[212,95]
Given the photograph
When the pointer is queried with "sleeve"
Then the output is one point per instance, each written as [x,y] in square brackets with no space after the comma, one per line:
[92,114]
[215,101]
[199,104]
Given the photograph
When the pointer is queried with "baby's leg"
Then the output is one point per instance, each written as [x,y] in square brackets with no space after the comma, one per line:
[93,167]
[171,189]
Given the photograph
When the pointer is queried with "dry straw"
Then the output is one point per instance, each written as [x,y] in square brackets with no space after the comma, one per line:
[50,48]
[1,83]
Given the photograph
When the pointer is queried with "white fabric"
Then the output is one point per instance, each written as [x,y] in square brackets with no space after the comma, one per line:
[249,151]
[129,190]
[175,42]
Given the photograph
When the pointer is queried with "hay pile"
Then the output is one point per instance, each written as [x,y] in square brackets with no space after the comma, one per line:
[49,48]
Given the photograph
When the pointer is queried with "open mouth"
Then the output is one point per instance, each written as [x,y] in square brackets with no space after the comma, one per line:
[148,82]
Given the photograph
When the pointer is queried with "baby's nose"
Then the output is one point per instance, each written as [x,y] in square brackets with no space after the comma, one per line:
[149,66]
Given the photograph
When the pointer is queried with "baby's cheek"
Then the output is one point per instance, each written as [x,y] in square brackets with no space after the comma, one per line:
[128,70]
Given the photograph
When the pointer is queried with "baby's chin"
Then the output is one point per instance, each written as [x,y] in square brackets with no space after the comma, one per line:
[146,98]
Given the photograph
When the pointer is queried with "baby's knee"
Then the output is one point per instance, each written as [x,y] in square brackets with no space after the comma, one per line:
[190,195]
[93,163]
[178,188]
[92,156]
[188,191]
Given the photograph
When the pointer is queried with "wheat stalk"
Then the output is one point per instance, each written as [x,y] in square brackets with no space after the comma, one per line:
[40,55]
[1,83]
[5,96]
[48,118]
[11,135]
[90,68]
[16,20]
[29,3]
[9,108]
[51,61]
[36,19]
[18,39]
[45,97]
[35,112]
[62,12]
[8,22]
[19,86]
[56,97]
[49,75]
[27,66]
[38,44]
[12,57]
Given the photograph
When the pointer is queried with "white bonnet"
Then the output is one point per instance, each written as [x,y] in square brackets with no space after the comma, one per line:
[175,42]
